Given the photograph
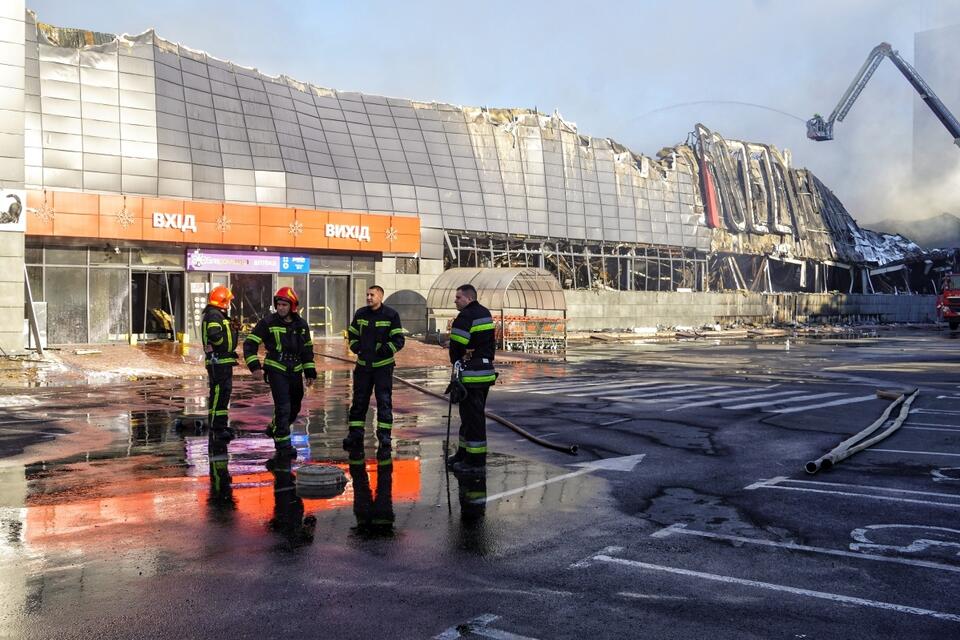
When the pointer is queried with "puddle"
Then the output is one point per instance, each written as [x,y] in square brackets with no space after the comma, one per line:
[126,494]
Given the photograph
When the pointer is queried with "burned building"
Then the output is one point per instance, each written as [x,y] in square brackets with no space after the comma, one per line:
[151,172]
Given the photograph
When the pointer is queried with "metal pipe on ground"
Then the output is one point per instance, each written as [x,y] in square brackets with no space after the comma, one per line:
[859,442]
[571,449]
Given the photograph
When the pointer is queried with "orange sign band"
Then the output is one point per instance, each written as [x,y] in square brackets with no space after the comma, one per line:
[113,217]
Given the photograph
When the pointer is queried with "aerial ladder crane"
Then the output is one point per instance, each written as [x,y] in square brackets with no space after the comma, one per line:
[820,129]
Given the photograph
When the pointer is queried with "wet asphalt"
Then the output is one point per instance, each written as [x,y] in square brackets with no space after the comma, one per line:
[687,512]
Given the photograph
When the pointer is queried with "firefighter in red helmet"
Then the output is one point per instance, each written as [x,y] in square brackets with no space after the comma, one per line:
[220,356]
[289,358]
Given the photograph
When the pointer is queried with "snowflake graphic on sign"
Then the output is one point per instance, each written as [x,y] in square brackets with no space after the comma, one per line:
[45,212]
[223,223]
[296,228]
[391,234]
[196,259]
[125,217]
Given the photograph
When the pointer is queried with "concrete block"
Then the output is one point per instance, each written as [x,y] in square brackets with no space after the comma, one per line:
[11,246]
[11,270]
[431,267]
[11,295]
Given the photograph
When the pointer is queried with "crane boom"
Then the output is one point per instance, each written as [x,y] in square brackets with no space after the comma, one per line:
[820,129]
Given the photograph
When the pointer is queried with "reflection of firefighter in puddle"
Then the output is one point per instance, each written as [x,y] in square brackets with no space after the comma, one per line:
[374,515]
[221,500]
[288,519]
[289,357]
[219,339]
[472,493]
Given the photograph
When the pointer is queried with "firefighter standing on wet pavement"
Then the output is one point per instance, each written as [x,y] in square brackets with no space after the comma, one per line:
[375,336]
[289,358]
[472,344]
[219,339]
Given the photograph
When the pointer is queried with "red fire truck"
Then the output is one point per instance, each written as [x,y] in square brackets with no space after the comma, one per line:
[948,304]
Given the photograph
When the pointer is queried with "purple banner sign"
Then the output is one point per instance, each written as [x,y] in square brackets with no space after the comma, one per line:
[233,261]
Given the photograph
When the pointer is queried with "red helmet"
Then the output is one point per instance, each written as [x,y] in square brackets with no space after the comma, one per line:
[288,294]
[220,297]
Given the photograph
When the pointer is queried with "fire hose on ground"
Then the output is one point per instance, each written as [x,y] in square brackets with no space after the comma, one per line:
[571,449]
[861,441]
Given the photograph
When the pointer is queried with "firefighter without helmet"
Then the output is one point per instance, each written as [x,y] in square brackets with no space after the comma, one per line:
[288,294]
[220,297]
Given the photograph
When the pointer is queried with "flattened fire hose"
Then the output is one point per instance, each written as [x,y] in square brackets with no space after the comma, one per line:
[859,442]
[571,449]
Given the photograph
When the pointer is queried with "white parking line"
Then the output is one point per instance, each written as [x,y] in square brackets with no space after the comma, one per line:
[752,405]
[835,597]
[919,453]
[833,403]
[775,483]
[933,424]
[681,528]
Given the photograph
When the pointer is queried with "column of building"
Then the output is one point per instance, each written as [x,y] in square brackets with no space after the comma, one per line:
[12,62]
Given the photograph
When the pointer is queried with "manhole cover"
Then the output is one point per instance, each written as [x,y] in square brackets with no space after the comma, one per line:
[320,481]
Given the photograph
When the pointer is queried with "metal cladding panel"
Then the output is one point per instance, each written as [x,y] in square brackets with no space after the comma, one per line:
[500,171]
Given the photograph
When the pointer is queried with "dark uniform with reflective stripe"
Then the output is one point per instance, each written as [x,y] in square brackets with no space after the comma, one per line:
[289,357]
[473,342]
[215,332]
[375,336]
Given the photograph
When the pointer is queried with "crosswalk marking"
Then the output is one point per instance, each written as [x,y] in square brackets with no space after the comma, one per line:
[657,392]
[673,398]
[551,389]
[571,387]
[767,403]
[553,383]
[621,387]
[833,403]
[722,396]
[767,398]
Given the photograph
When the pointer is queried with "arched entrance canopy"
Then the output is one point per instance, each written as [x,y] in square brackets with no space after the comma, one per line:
[523,290]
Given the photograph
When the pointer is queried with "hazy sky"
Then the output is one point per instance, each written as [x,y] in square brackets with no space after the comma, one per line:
[614,68]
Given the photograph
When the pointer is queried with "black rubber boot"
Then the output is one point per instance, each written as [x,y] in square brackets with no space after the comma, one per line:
[384,439]
[467,468]
[455,458]
[354,440]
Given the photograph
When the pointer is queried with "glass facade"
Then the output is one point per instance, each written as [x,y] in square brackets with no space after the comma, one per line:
[66,304]
[108,318]
[99,294]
